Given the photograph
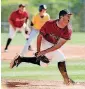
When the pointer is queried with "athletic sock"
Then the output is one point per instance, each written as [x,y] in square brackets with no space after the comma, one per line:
[32,60]
[26,38]
[8,42]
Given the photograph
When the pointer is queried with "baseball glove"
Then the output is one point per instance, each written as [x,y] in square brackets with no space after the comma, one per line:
[42,58]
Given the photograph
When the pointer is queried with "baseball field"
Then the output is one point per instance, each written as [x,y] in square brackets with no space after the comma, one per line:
[29,76]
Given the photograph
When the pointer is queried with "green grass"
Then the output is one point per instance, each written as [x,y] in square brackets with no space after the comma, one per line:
[77,39]
[76,70]
[17,40]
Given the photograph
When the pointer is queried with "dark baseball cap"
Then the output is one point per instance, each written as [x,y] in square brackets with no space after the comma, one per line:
[43,6]
[21,5]
[64,12]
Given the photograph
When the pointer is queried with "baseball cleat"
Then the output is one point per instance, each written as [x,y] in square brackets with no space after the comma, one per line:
[15,62]
[69,82]
[6,50]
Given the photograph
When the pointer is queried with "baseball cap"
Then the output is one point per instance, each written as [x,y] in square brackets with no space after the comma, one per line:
[21,5]
[64,12]
[43,6]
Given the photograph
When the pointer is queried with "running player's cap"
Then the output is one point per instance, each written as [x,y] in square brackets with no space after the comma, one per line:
[64,12]
[43,6]
[21,5]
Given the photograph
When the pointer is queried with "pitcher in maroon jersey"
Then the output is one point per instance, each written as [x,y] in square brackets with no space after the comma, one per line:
[53,35]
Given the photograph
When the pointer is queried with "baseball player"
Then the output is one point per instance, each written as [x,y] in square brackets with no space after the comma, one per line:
[53,35]
[18,22]
[37,22]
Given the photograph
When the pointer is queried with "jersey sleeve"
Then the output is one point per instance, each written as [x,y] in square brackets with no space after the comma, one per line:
[26,15]
[11,16]
[67,34]
[43,29]
[48,17]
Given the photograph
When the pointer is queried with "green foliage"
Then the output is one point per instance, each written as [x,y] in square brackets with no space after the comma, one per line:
[78,9]
[12,2]
[54,6]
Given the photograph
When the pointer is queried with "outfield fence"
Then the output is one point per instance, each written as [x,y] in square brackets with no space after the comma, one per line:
[4,27]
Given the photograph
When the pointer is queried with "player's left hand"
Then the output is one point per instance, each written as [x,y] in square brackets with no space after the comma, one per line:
[41,53]
[41,57]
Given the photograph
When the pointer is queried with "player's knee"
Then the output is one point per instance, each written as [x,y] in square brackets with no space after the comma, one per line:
[59,56]
[61,59]
[11,37]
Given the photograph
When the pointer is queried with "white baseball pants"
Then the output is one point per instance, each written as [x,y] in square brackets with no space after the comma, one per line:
[12,31]
[54,55]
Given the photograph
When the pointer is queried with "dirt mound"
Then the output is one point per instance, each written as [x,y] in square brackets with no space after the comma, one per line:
[70,51]
[38,84]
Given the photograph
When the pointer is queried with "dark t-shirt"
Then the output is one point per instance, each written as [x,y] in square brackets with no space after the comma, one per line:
[52,33]
[16,15]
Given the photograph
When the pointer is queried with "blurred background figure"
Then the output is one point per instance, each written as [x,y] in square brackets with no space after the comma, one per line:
[18,22]
[37,22]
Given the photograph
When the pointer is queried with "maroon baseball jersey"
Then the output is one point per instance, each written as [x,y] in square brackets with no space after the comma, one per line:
[16,15]
[52,33]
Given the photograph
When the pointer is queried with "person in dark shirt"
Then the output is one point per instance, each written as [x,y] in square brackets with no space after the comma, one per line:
[53,35]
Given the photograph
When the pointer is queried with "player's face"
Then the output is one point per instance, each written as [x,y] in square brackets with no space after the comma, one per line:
[43,10]
[21,9]
[66,18]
